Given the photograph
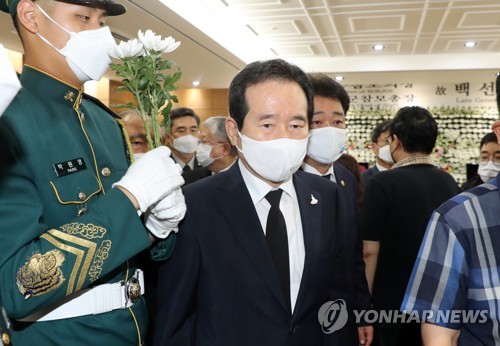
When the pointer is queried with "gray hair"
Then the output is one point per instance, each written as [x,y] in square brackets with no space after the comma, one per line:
[129,114]
[217,127]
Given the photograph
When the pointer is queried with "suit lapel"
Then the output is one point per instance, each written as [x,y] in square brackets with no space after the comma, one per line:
[310,213]
[237,207]
[339,177]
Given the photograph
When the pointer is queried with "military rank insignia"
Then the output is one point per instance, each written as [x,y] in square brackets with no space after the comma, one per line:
[40,274]
[70,96]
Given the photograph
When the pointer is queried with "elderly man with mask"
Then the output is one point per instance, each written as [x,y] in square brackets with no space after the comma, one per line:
[70,205]
[255,254]
[215,152]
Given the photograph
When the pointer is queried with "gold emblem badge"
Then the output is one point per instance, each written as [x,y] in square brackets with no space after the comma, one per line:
[40,274]
[70,96]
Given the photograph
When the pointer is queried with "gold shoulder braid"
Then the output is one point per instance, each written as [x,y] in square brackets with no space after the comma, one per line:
[40,274]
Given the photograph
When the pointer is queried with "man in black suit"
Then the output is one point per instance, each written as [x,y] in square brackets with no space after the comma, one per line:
[379,141]
[215,153]
[254,260]
[183,137]
[326,145]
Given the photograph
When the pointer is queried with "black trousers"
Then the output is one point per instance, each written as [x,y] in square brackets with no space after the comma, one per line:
[400,334]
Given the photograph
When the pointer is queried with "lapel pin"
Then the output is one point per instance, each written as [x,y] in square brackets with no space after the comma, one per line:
[342,183]
[313,200]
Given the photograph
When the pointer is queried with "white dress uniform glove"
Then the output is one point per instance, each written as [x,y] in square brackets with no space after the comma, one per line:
[164,217]
[152,178]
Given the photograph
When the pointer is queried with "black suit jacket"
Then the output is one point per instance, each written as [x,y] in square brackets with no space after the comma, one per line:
[350,270]
[196,164]
[350,279]
[368,173]
[220,287]
[195,174]
[472,182]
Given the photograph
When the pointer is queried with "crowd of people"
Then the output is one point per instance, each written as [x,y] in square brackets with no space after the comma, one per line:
[254,228]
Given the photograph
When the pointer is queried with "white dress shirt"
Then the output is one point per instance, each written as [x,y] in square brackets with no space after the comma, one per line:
[310,169]
[289,206]
[225,169]
[380,168]
[182,164]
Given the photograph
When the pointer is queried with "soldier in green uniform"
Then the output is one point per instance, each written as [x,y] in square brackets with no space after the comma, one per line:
[73,214]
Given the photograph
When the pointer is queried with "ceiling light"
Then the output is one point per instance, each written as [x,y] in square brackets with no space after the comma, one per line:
[196,83]
[378,47]
[470,44]
[339,78]
[224,25]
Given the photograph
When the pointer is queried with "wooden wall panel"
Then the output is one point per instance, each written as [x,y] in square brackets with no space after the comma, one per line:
[205,102]
[117,97]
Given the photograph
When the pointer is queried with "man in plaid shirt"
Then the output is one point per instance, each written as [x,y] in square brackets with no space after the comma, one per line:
[455,284]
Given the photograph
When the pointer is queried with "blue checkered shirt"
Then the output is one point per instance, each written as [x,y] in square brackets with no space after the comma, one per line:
[456,279]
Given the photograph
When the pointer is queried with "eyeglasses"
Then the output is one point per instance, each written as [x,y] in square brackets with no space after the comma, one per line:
[388,140]
[486,158]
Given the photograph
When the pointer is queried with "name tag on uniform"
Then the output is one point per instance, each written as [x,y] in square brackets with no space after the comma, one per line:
[69,167]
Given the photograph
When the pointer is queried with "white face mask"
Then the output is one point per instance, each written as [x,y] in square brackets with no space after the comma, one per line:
[9,83]
[86,51]
[488,170]
[203,154]
[274,160]
[326,144]
[384,153]
[186,144]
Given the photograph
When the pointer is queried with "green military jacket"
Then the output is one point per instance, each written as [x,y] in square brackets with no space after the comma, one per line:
[62,225]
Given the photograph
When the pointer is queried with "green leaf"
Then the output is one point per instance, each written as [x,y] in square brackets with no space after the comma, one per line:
[150,79]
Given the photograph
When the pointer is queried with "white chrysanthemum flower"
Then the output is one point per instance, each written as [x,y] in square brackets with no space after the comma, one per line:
[126,49]
[453,134]
[171,44]
[153,42]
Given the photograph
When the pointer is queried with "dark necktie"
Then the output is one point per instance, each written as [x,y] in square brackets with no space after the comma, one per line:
[327,176]
[277,240]
[186,168]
